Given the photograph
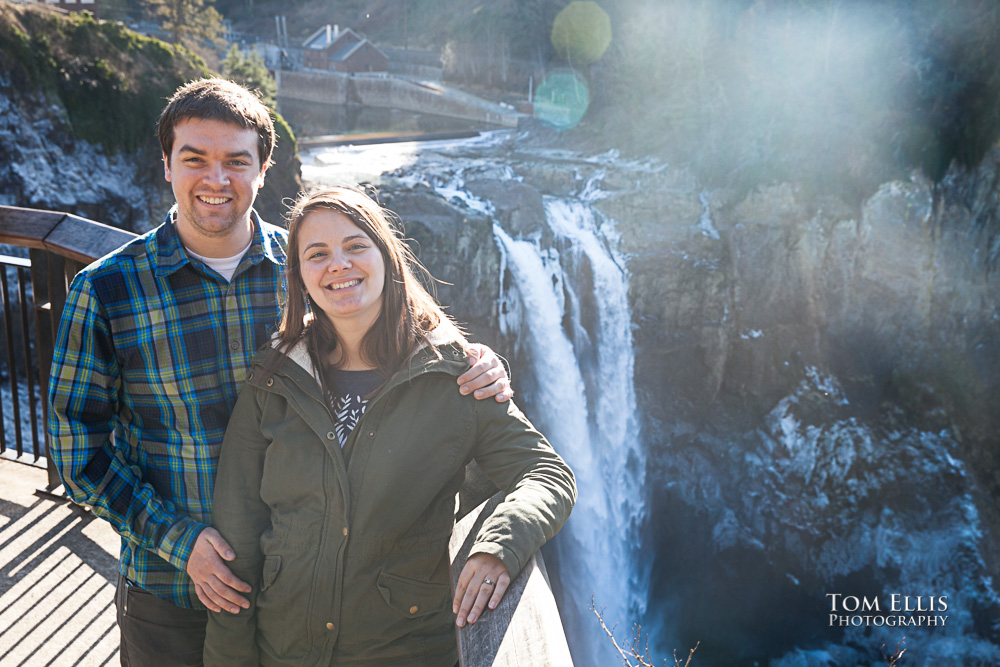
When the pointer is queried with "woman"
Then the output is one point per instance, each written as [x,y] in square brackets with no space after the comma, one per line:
[338,473]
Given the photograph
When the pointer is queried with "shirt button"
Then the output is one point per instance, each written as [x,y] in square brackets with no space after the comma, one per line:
[331,435]
[345,531]
[329,626]
[414,609]
[235,345]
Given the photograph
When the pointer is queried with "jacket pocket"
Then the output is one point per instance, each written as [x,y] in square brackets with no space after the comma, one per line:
[411,598]
[272,565]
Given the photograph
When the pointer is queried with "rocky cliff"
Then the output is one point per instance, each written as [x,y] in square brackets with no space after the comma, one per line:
[818,388]
[42,165]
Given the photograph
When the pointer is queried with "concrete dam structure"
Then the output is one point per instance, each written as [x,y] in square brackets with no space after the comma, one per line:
[392,92]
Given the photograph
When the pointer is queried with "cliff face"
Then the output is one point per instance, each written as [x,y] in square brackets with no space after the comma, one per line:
[43,166]
[738,296]
[818,389]
[456,245]
[820,395]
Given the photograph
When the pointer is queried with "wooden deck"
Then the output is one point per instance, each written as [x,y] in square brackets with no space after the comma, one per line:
[58,568]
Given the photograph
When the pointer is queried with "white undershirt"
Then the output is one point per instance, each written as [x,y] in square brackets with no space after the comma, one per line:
[225,266]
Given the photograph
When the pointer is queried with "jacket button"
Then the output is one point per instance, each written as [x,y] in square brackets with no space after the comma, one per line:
[329,626]
[270,381]
[371,434]
[414,609]
[345,531]
[331,435]
[250,377]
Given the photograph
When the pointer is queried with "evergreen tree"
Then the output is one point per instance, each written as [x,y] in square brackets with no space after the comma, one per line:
[249,70]
[190,22]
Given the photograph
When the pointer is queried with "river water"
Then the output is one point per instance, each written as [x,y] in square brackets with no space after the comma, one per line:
[567,310]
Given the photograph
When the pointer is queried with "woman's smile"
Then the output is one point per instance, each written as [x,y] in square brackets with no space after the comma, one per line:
[343,285]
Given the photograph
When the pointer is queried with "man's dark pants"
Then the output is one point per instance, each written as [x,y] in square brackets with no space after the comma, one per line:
[157,633]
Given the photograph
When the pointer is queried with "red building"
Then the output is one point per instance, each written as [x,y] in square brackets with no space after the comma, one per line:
[330,48]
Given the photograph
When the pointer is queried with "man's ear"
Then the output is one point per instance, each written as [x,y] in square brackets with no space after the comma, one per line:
[166,167]
[263,171]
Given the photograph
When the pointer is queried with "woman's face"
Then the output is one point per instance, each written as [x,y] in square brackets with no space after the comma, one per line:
[342,269]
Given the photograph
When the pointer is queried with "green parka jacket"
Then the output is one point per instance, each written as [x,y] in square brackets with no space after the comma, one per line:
[347,550]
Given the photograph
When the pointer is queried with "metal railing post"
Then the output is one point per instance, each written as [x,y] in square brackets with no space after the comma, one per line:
[29,367]
[51,312]
[8,330]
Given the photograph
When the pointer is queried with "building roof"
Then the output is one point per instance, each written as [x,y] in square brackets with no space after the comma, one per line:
[346,49]
[319,40]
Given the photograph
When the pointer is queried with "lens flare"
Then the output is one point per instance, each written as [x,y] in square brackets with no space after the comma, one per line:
[562,99]
[581,33]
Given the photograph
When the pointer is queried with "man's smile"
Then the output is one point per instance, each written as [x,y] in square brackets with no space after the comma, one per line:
[215,201]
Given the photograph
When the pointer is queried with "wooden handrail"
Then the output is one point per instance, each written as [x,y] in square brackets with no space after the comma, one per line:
[64,234]
[525,629]
[59,245]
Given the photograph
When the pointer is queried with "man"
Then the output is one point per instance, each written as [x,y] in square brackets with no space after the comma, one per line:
[154,343]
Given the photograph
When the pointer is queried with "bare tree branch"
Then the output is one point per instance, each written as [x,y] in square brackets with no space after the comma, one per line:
[631,654]
[893,660]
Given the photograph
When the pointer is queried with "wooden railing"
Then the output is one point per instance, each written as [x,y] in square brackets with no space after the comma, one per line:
[59,245]
[524,630]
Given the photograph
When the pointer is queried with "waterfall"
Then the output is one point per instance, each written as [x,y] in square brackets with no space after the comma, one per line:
[568,306]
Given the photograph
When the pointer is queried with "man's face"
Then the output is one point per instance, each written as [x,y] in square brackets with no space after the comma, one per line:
[215,173]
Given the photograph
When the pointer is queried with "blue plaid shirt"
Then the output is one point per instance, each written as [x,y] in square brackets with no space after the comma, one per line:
[152,349]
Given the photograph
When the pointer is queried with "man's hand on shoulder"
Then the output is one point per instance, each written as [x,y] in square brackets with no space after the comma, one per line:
[217,587]
[487,376]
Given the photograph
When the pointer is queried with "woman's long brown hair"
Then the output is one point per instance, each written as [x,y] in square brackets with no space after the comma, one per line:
[408,310]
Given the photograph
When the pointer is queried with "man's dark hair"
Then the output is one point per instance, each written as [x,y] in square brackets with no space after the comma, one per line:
[218,99]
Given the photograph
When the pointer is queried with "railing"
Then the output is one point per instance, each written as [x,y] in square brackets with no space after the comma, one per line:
[19,339]
[59,245]
[524,630]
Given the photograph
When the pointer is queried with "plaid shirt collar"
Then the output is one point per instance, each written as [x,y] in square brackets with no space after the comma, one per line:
[171,255]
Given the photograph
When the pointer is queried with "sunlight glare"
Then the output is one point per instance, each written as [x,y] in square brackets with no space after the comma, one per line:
[350,165]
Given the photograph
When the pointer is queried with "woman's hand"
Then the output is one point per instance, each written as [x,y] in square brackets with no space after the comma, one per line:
[484,579]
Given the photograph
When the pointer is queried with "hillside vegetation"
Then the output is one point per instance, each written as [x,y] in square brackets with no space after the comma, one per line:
[111,81]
